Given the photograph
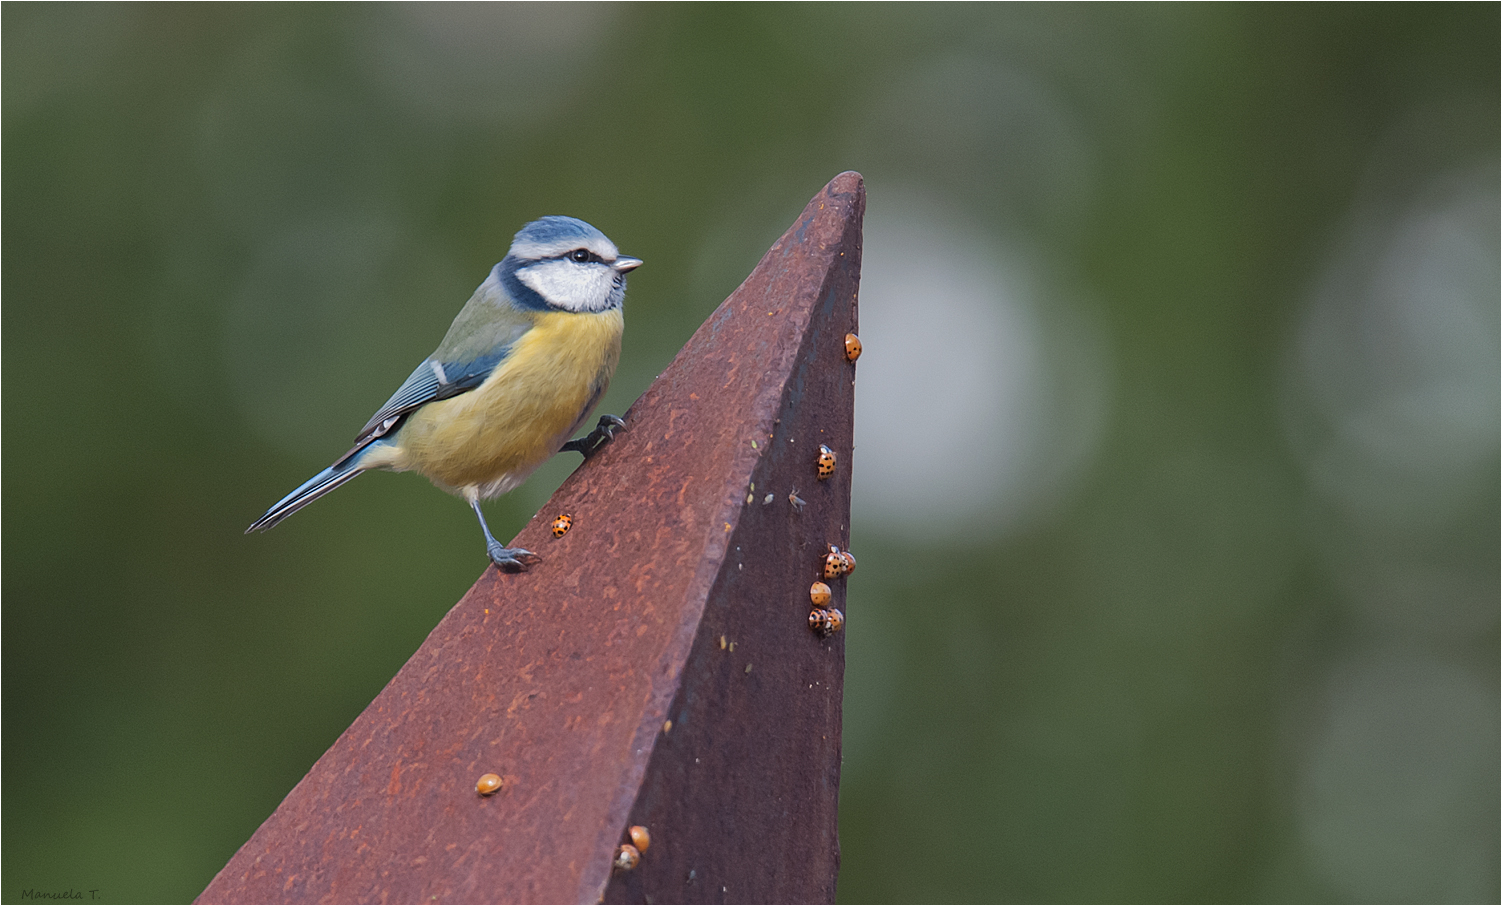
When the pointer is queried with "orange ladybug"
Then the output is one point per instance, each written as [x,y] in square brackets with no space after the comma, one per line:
[819,594]
[826,462]
[562,524]
[488,784]
[835,564]
[852,347]
[849,559]
[640,838]
[826,622]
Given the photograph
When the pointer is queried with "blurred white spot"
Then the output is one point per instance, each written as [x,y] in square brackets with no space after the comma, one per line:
[1400,356]
[972,409]
[1399,787]
[1393,405]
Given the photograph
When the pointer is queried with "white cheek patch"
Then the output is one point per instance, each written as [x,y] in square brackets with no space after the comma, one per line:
[566,284]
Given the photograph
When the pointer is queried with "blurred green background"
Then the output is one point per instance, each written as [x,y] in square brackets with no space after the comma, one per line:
[1177,494]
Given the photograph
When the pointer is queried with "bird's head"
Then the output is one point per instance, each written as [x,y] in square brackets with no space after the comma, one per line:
[563,263]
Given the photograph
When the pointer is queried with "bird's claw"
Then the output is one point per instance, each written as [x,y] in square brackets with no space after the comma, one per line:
[511,559]
[594,441]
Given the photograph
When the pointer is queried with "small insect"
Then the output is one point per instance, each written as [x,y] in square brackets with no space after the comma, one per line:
[562,524]
[826,622]
[488,784]
[798,502]
[627,857]
[640,838]
[849,559]
[835,564]
[826,462]
[852,347]
[819,594]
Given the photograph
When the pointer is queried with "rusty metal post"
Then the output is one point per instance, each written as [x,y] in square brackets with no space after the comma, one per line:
[656,668]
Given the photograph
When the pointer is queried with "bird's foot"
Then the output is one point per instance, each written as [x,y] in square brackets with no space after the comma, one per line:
[594,441]
[511,559]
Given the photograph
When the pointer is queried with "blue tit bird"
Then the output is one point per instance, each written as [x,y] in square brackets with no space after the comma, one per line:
[524,363]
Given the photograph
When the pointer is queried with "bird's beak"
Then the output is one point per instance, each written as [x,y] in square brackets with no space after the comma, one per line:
[626,263]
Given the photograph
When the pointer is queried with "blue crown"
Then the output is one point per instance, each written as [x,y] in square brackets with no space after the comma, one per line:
[549,231]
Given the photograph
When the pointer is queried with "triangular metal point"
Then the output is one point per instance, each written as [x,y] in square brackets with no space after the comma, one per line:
[657,668]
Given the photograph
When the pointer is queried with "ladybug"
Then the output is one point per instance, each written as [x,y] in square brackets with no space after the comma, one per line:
[852,347]
[835,564]
[849,559]
[562,524]
[826,462]
[819,594]
[627,857]
[826,622]
[488,784]
[640,838]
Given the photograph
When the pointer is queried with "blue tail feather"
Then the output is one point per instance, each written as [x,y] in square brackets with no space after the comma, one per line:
[310,490]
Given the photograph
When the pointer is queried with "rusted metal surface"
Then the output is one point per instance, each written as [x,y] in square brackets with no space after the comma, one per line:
[563,679]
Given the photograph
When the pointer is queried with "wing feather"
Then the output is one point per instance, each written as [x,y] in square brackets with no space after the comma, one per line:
[429,382]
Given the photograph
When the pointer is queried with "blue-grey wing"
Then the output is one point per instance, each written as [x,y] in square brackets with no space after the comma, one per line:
[432,380]
[480,338]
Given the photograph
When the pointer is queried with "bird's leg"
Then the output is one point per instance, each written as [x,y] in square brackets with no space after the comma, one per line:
[591,443]
[506,559]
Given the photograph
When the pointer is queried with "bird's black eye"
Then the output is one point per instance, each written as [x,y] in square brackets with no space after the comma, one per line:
[579,256]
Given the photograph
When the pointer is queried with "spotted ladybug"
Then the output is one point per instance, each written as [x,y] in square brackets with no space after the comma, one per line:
[826,622]
[627,857]
[488,784]
[826,462]
[562,524]
[835,564]
[819,594]
[849,559]
[852,347]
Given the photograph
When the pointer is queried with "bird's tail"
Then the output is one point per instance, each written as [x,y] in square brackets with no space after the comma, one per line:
[335,475]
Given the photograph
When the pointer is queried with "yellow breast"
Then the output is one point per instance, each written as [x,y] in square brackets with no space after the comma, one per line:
[490,439]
